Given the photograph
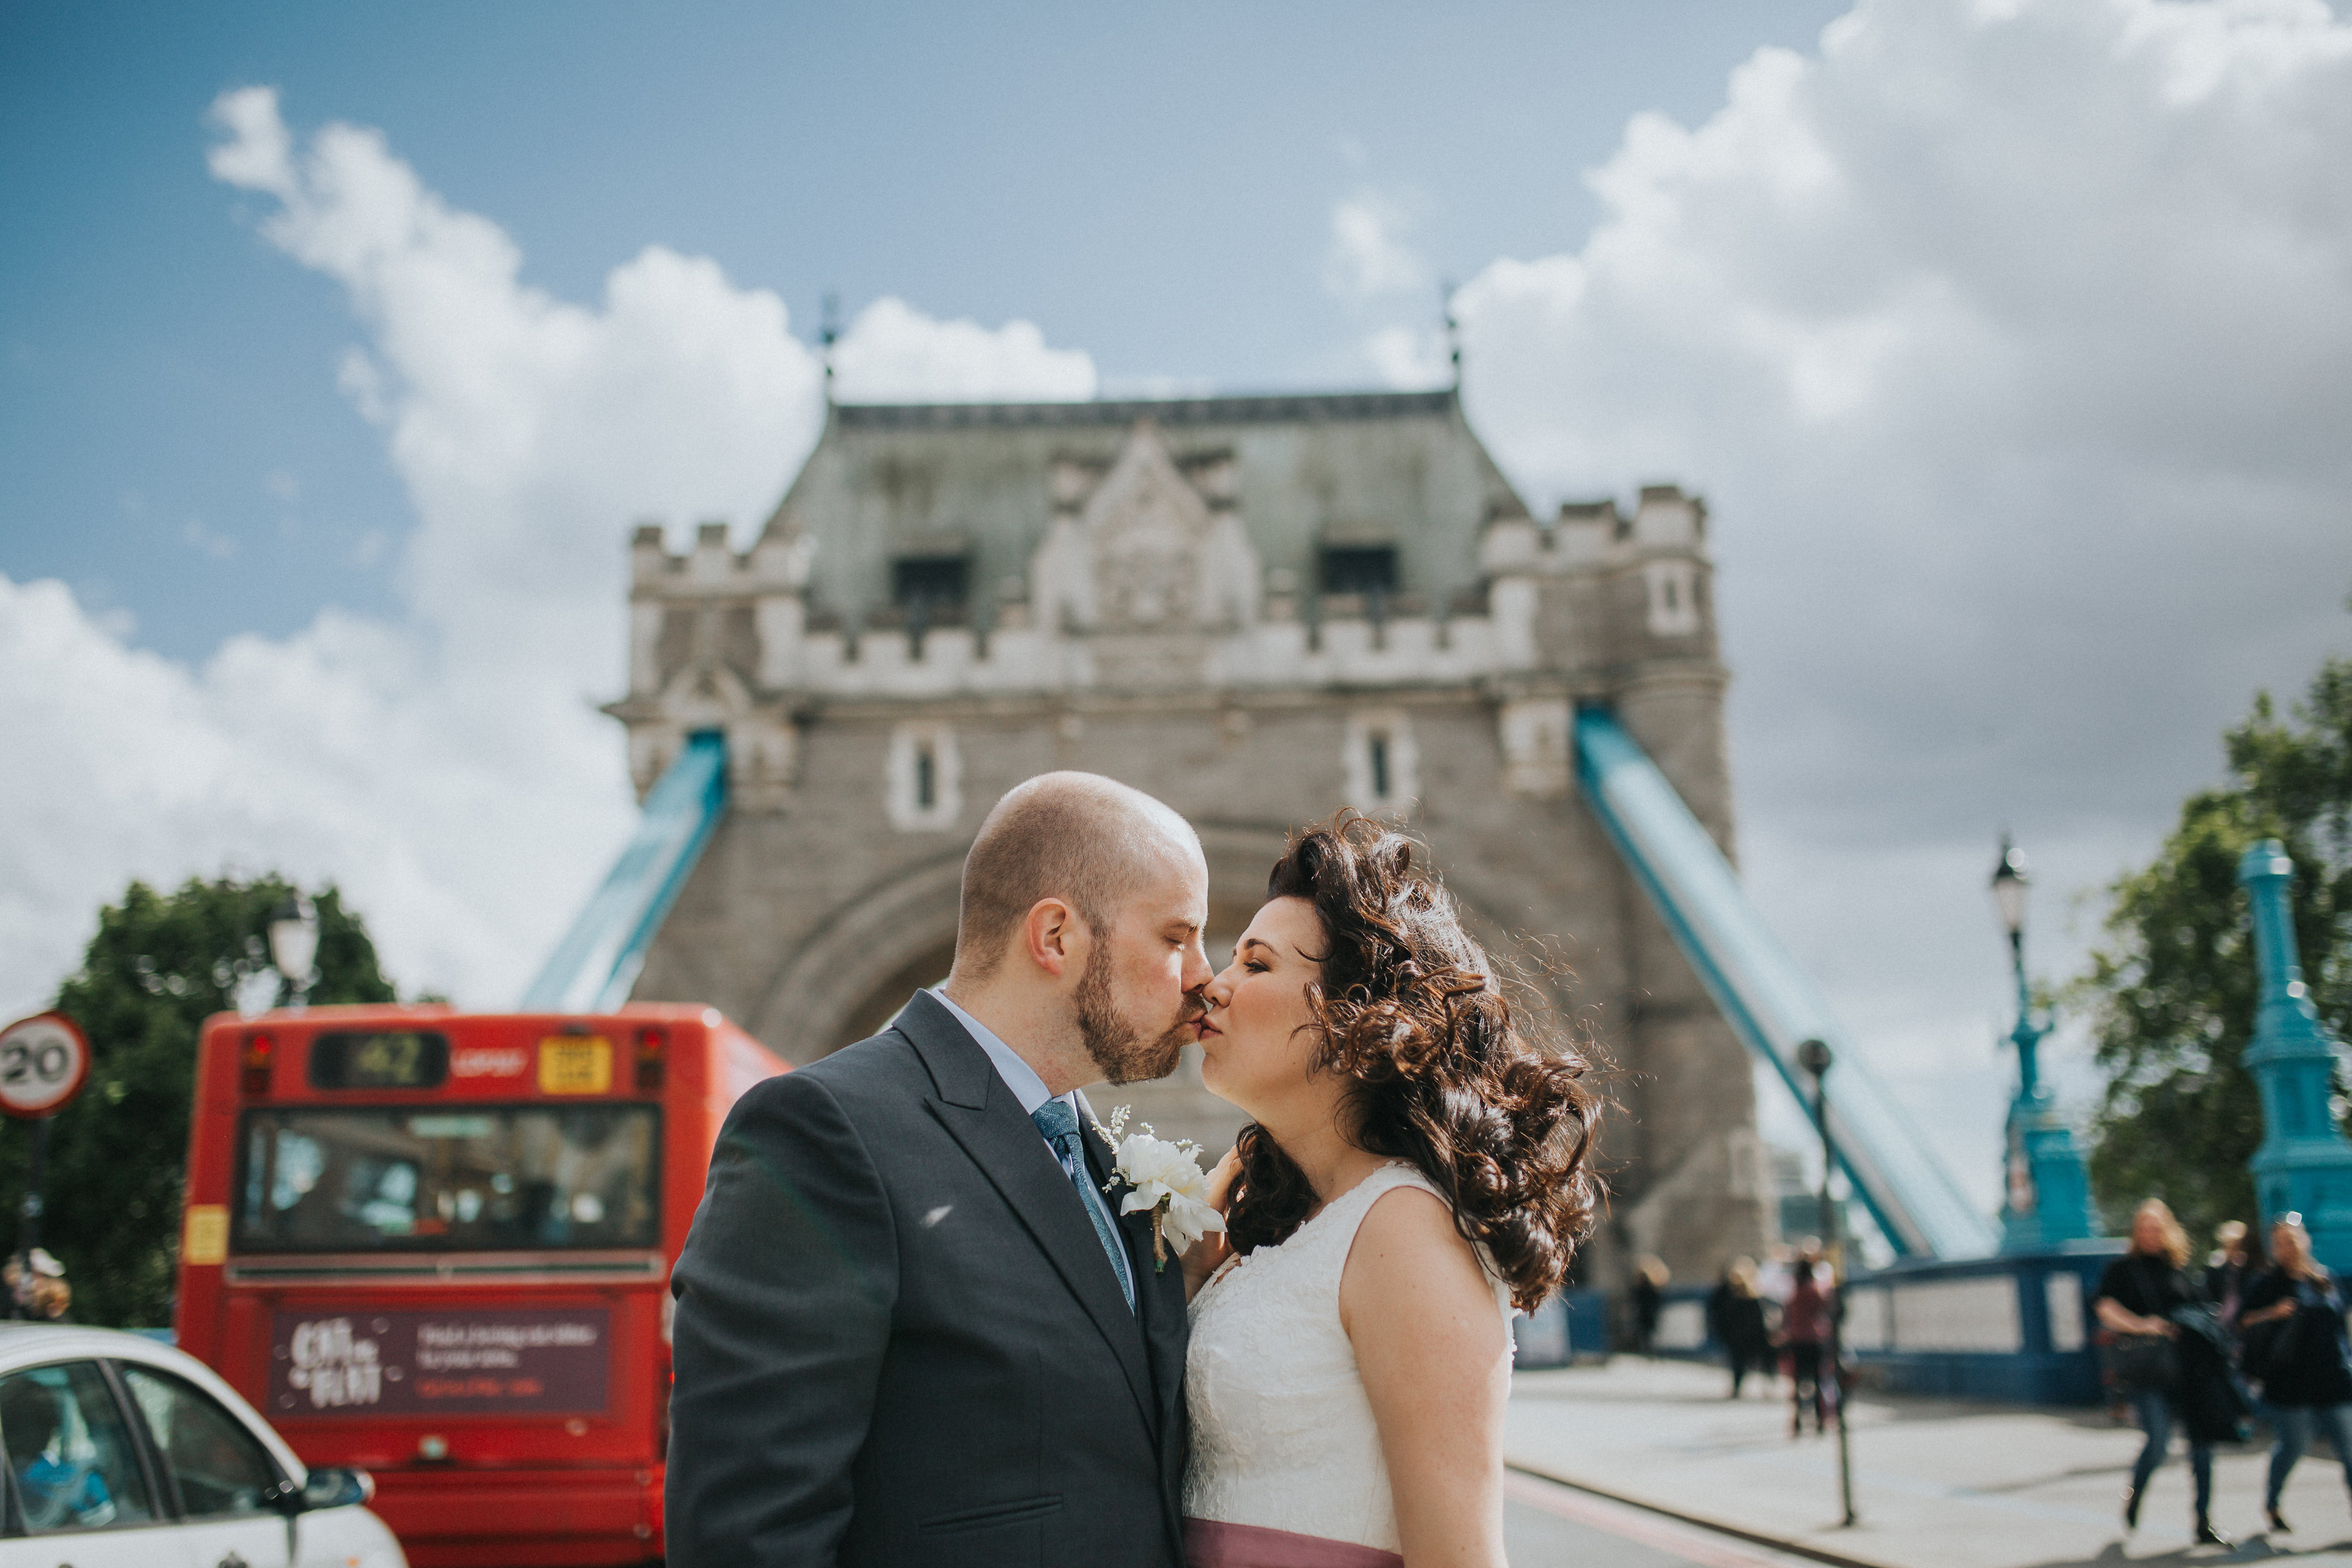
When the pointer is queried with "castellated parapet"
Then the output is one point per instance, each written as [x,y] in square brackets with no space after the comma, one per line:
[1259,610]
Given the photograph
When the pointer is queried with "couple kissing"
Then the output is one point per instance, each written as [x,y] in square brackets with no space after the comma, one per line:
[916,1327]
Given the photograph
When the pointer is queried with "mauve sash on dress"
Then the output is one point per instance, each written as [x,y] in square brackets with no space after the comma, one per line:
[1213,1544]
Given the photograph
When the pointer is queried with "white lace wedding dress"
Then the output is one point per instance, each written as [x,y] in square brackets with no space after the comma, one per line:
[1283,1436]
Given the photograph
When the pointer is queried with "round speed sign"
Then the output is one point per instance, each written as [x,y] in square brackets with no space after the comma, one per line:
[43,1063]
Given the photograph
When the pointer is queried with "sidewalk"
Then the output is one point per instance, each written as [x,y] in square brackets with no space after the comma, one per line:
[1937,1483]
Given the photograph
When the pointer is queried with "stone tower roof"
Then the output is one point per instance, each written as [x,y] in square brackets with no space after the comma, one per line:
[981,482]
[1287,549]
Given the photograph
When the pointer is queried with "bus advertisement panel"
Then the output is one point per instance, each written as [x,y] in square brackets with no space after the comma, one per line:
[436,1246]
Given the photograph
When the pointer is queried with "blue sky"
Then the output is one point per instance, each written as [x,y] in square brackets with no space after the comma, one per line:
[2011,345]
[1155,186]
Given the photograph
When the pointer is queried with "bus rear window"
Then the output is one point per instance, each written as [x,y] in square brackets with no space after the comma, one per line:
[449,1179]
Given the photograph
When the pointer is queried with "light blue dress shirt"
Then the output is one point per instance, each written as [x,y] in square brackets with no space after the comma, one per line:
[1018,1076]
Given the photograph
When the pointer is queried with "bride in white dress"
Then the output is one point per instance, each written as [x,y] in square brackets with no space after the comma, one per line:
[1415,1166]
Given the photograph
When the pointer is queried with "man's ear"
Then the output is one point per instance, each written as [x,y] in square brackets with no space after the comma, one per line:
[1052,936]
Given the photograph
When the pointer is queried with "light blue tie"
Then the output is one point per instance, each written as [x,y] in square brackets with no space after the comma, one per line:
[1060,1123]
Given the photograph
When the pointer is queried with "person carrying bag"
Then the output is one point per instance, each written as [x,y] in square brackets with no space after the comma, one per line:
[2143,1363]
[2169,1358]
[2292,1315]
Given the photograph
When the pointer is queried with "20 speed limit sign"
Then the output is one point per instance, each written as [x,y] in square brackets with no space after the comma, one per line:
[44,1061]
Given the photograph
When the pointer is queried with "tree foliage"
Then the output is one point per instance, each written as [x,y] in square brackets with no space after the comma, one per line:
[160,964]
[2174,990]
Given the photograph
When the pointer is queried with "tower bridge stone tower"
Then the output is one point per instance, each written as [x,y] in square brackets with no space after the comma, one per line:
[1259,609]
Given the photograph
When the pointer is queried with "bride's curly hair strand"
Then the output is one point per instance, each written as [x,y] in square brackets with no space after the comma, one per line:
[1440,1071]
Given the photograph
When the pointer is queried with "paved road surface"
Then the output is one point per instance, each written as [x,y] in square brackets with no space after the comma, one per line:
[1546,1525]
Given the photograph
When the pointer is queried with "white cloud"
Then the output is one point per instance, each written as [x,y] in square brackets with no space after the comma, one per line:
[2013,345]
[1410,358]
[1373,269]
[447,768]
[204,541]
[894,353]
[1369,256]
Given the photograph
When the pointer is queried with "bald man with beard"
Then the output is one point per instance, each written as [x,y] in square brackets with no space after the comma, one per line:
[910,1329]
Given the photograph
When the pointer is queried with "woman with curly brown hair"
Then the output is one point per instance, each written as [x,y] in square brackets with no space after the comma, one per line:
[1416,1167]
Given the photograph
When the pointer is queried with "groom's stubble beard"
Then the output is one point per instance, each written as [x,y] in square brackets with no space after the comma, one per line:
[1124,1052]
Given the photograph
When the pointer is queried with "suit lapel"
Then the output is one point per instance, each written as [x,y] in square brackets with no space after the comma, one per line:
[1159,1301]
[980,1114]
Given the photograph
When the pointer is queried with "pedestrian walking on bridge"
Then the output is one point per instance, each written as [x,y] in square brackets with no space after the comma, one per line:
[2170,1357]
[1648,1298]
[1805,1322]
[2233,1265]
[2292,1315]
[1736,1317]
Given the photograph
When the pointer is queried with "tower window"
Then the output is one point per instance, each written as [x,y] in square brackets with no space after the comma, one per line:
[923,786]
[1366,569]
[1381,761]
[928,584]
[1673,600]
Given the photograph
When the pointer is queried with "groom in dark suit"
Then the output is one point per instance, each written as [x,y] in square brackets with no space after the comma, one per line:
[911,1329]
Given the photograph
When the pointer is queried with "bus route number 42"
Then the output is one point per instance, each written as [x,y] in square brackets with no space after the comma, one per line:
[44,1061]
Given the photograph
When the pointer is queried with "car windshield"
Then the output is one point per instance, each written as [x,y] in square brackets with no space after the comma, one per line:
[473,1179]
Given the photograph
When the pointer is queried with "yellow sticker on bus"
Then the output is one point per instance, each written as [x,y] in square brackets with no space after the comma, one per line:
[572,1064]
[204,1238]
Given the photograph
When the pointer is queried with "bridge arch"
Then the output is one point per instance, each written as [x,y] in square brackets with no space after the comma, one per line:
[851,977]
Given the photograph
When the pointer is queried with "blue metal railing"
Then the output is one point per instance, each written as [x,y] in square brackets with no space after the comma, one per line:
[1772,1004]
[594,966]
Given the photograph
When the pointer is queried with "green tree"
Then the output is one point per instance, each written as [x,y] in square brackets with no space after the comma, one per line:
[2173,991]
[160,964]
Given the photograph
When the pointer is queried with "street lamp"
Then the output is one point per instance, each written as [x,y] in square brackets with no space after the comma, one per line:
[2049,1191]
[294,943]
[2010,886]
[1815,1056]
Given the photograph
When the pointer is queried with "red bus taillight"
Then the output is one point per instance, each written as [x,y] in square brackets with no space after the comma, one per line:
[653,1068]
[260,1054]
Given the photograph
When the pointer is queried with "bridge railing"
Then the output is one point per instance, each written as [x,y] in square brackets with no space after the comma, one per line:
[2018,1329]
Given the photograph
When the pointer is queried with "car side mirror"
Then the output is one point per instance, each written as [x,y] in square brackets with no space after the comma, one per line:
[328,1487]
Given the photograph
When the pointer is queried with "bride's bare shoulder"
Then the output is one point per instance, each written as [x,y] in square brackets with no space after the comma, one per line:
[1408,1256]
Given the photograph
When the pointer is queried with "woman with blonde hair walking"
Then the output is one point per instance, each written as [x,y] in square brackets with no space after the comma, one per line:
[2293,1317]
[2143,1298]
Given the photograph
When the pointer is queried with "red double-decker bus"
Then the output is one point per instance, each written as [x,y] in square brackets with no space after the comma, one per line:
[436,1246]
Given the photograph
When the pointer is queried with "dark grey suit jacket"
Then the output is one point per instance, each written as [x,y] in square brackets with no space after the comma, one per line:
[897,1340]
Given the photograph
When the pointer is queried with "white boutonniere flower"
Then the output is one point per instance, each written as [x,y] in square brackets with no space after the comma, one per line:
[1165,1178]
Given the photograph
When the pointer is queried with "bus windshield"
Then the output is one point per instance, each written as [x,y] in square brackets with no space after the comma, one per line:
[470,1179]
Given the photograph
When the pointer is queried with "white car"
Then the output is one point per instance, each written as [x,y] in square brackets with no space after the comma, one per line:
[123,1452]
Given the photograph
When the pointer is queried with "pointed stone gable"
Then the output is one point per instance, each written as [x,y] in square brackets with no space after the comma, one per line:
[1141,549]
[1146,529]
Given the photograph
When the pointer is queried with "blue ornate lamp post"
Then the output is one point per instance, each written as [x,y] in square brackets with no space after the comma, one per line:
[2304,1161]
[2049,1192]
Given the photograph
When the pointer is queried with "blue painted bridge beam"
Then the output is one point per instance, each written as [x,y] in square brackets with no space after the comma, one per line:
[593,968]
[1772,1004]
